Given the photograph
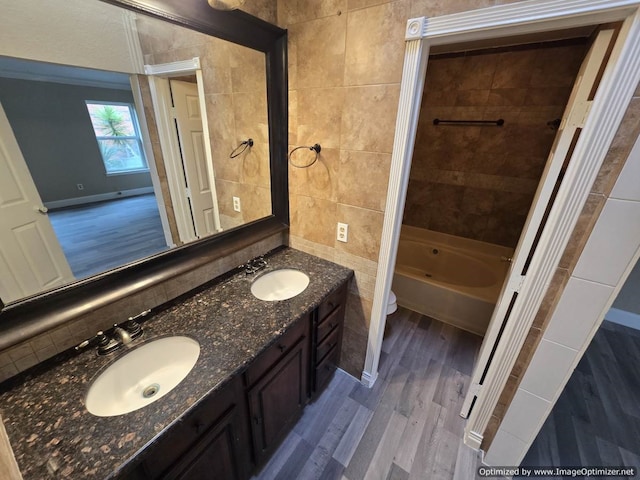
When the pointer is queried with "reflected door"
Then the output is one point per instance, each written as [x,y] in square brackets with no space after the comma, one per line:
[31,259]
[189,124]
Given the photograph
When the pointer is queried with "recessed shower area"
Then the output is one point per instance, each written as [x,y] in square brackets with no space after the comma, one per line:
[487,125]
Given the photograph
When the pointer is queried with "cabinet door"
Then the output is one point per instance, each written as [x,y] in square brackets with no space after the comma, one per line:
[212,437]
[277,400]
[214,456]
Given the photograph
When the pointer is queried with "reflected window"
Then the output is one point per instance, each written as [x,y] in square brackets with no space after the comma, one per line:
[118,136]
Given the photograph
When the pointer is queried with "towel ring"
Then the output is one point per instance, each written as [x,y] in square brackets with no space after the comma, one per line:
[316,148]
[239,150]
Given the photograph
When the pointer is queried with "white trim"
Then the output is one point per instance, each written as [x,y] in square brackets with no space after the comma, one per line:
[622,317]
[173,68]
[473,440]
[614,94]
[99,197]
[368,380]
[151,161]
[161,99]
[133,41]
[415,64]
[159,75]
[207,151]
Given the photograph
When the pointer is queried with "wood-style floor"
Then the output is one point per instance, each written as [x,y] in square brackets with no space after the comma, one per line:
[101,236]
[406,427]
[596,420]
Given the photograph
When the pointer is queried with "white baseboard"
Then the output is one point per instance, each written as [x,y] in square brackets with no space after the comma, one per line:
[101,197]
[368,379]
[622,317]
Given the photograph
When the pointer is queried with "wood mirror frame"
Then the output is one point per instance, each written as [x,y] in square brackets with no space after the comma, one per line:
[33,315]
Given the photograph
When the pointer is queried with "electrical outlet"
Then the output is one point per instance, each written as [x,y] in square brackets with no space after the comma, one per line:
[343,232]
[80,186]
[236,204]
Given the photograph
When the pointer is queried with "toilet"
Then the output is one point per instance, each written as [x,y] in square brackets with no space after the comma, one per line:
[392,304]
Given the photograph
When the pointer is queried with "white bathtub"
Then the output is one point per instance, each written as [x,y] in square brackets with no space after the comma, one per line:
[452,279]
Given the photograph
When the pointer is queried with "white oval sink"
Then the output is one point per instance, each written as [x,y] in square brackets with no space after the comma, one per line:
[279,285]
[142,376]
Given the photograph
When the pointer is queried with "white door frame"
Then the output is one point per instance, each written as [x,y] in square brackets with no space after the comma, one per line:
[161,96]
[613,96]
[151,161]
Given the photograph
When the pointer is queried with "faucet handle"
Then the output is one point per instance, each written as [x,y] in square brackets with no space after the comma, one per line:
[133,328]
[99,338]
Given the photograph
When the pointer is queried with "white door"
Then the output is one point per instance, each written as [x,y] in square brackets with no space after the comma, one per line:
[572,122]
[190,133]
[31,259]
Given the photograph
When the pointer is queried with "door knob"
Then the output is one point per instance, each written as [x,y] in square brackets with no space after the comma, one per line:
[43,210]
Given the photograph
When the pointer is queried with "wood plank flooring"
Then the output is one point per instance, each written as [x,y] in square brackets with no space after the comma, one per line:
[596,420]
[406,427]
[101,236]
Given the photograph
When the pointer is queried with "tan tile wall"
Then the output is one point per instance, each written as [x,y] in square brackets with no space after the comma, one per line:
[479,182]
[345,67]
[320,34]
[234,80]
[614,161]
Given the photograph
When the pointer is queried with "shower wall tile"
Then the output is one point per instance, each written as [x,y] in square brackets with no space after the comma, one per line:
[479,182]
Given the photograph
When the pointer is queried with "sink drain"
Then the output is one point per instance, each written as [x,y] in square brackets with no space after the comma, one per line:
[151,390]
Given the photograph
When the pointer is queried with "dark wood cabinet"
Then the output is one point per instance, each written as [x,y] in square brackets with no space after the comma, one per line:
[277,398]
[256,410]
[326,338]
[210,442]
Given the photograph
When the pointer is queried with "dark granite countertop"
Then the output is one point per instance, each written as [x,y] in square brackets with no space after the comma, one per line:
[43,409]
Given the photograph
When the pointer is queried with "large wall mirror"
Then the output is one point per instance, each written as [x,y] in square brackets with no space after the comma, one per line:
[135,138]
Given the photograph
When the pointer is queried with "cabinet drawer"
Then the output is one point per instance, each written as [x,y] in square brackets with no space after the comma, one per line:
[328,324]
[327,344]
[276,351]
[324,370]
[332,302]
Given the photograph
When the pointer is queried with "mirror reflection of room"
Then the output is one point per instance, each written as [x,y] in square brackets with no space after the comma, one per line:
[107,186]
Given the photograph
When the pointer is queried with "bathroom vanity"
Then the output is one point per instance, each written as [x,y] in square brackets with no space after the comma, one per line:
[260,363]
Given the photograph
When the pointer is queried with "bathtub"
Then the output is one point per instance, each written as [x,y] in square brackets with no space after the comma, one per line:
[452,279]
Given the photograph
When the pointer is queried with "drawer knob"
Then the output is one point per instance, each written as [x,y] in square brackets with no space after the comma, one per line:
[282,348]
[330,305]
[332,325]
